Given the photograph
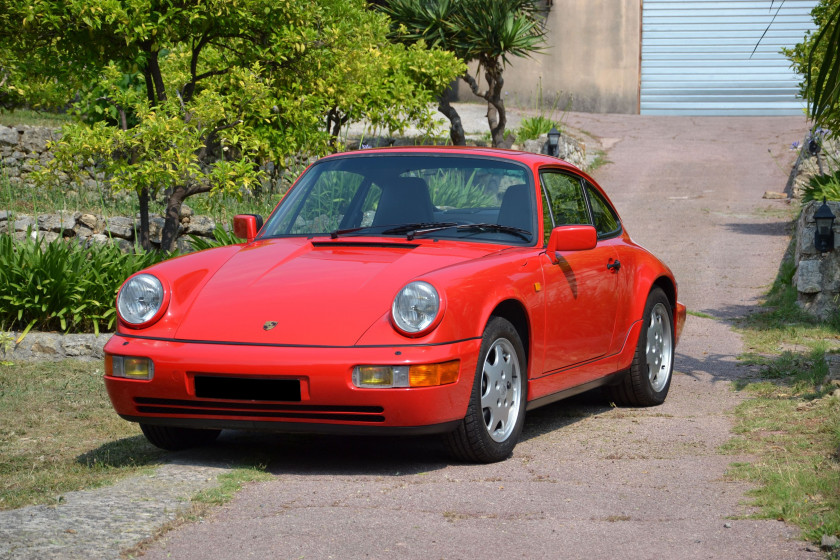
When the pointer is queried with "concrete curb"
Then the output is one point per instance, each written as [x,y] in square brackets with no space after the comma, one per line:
[38,346]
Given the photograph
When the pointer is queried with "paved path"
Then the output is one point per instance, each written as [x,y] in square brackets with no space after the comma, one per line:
[587,481]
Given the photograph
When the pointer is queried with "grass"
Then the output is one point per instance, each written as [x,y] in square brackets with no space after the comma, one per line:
[59,433]
[33,118]
[791,423]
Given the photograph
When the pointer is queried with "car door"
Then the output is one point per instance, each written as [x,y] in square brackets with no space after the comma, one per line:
[581,294]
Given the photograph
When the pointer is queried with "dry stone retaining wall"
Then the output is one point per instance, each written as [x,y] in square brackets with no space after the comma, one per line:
[817,277]
[90,229]
[23,149]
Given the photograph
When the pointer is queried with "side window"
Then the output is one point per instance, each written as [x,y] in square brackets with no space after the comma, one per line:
[565,200]
[606,221]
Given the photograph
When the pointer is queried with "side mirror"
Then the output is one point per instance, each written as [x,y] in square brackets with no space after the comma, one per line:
[246,226]
[571,238]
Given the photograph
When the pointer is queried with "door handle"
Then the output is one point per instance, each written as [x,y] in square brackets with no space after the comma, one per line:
[614,265]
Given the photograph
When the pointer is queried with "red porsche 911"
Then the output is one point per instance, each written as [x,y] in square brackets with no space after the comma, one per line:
[400,291]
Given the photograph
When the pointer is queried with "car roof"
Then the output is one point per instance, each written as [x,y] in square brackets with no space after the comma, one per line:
[527,158]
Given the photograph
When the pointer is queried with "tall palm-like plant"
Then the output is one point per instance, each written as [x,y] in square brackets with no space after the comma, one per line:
[817,58]
[823,78]
[483,31]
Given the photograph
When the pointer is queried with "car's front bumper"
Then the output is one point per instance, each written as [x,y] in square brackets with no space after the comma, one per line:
[328,402]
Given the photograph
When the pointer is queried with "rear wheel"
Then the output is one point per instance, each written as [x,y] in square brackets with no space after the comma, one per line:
[649,378]
[173,438]
[496,412]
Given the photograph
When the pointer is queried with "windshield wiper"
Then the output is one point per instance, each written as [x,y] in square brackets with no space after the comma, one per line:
[420,227]
[523,233]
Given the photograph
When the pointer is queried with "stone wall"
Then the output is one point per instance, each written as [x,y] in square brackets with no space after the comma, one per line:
[817,277]
[52,346]
[23,149]
[90,229]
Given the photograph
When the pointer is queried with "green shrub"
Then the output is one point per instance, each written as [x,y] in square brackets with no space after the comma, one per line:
[62,285]
[220,235]
[820,186]
[532,127]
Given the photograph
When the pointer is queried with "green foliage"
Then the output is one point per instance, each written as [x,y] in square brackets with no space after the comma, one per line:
[817,57]
[820,186]
[190,98]
[485,31]
[472,29]
[61,285]
[221,237]
[532,127]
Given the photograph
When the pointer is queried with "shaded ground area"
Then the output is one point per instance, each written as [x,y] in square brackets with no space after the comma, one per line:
[587,481]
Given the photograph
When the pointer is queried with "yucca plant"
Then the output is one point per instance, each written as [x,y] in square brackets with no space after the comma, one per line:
[483,31]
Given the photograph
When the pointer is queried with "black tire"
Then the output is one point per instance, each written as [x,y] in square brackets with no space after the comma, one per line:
[649,378]
[481,436]
[172,438]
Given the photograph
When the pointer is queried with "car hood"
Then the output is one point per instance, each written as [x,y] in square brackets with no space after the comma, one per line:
[313,293]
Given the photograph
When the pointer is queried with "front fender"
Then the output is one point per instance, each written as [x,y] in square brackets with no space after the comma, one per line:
[472,291]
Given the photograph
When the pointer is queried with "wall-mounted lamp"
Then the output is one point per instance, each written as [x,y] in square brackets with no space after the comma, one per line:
[553,142]
[824,235]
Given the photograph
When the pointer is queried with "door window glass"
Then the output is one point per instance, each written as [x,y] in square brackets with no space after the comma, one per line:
[565,199]
[606,220]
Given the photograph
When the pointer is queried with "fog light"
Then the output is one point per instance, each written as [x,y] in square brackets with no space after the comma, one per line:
[129,367]
[426,375]
[380,376]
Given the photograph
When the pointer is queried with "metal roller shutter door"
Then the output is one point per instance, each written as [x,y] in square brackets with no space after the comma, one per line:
[696,56]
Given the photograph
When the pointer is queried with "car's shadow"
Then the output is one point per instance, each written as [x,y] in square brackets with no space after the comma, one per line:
[309,454]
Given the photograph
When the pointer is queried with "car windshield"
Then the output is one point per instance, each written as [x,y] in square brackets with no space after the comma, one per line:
[411,196]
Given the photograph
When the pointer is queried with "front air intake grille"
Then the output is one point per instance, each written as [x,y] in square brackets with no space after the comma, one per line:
[259,411]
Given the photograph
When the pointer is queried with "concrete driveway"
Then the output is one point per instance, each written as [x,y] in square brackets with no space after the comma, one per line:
[587,481]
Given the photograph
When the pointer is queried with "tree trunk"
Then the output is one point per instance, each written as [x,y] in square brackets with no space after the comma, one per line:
[172,219]
[496,118]
[145,242]
[456,129]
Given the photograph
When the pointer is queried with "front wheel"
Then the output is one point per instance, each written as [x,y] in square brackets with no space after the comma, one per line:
[649,378]
[496,412]
[173,438]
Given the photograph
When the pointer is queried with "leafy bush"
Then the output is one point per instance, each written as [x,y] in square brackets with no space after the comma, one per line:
[62,285]
[220,235]
[820,186]
[532,127]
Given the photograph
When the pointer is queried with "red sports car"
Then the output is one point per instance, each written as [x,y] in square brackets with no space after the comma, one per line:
[400,291]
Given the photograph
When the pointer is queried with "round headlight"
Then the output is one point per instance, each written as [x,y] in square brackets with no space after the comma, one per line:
[140,299]
[415,308]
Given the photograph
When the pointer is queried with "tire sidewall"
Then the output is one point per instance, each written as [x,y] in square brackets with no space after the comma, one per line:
[654,397]
[499,328]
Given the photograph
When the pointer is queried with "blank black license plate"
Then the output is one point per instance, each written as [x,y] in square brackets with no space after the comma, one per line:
[247,389]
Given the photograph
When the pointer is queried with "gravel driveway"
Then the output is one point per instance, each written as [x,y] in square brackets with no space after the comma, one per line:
[587,481]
